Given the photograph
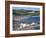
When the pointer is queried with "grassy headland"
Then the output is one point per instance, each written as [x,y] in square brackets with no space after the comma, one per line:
[26,12]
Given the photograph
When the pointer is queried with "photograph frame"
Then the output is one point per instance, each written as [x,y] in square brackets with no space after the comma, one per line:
[7,18]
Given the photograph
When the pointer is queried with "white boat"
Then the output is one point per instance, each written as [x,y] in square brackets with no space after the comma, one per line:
[33,23]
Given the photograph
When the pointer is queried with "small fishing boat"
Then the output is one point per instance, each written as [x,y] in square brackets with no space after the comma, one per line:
[33,23]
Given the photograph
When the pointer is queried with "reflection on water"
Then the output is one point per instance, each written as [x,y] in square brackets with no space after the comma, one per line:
[26,22]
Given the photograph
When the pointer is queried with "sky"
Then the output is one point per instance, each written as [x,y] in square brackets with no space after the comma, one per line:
[26,8]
